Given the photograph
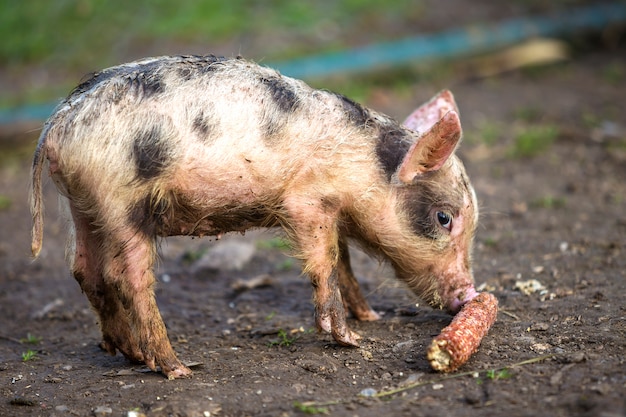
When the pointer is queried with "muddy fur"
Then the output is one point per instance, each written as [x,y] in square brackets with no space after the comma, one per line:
[203,146]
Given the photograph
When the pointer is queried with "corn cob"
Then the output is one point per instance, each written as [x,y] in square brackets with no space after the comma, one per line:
[458,341]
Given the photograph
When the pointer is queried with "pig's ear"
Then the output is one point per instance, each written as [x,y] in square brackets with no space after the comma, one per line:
[432,149]
[425,116]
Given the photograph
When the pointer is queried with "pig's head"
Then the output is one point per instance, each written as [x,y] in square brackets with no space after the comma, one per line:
[436,196]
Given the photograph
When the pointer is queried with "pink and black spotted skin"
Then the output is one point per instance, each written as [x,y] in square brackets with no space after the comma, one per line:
[201,145]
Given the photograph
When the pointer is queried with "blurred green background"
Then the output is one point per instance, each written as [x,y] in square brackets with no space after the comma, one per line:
[92,32]
[47,46]
[63,39]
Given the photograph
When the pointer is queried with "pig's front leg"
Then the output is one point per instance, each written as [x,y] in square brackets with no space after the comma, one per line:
[314,229]
[350,290]
[330,314]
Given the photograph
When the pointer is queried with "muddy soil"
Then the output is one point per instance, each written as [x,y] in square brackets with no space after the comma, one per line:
[245,321]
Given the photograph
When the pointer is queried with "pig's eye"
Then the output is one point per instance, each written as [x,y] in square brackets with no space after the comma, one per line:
[444,219]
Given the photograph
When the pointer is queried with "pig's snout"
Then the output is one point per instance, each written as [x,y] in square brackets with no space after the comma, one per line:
[460,297]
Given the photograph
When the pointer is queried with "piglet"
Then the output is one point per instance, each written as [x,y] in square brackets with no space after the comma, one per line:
[201,145]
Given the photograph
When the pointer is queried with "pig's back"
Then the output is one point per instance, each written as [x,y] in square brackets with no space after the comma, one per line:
[195,120]
[207,132]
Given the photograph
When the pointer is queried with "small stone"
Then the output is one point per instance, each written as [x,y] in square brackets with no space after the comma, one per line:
[188,407]
[412,379]
[473,397]
[540,347]
[540,327]
[367,355]
[102,411]
[602,388]
[228,255]
[368,392]
[299,388]
[529,287]
[318,364]
[21,401]
[403,346]
[576,357]
[556,379]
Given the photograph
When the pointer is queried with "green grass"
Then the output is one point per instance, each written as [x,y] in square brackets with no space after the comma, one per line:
[31,339]
[590,120]
[274,243]
[533,140]
[5,202]
[485,132]
[194,255]
[29,355]
[310,409]
[286,265]
[286,339]
[490,242]
[548,202]
[75,31]
[283,339]
[496,375]
[71,38]
[614,73]
[528,114]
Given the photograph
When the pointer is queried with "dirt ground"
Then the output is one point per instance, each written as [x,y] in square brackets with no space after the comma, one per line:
[557,217]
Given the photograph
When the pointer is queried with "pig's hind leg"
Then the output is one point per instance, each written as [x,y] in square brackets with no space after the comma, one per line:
[87,270]
[128,268]
[350,290]
[113,265]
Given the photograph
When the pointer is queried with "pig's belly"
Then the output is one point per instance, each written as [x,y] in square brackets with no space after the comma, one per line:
[185,221]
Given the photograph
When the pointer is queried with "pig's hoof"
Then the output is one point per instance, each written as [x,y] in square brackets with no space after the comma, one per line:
[133,355]
[171,367]
[348,338]
[108,347]
[180,371]
[324,324]
[367,315]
